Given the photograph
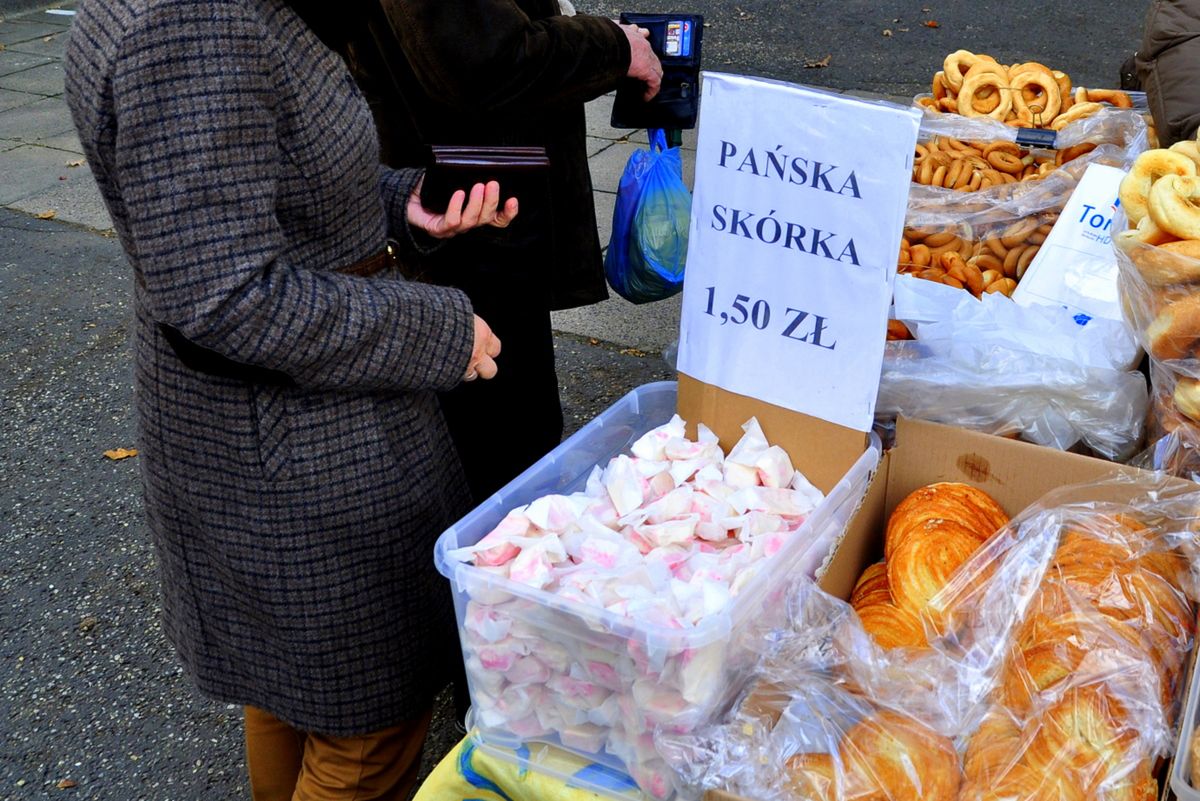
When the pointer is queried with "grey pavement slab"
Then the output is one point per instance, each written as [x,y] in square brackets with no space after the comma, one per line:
[31,171]
[75,199]
[10,99]
[13,60]
[33,122]
[53,45]
[67,142]
[46,79]
[595,144]
[27,29]
[608,165]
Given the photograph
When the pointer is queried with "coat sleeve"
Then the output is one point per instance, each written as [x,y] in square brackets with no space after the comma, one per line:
[197,159]
[397,185]
[488,54]
[1166,66]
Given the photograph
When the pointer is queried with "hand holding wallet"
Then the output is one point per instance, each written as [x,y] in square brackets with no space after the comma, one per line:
[675,39]
[521,172]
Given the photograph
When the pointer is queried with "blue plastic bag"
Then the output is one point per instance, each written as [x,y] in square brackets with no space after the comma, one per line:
[648,247]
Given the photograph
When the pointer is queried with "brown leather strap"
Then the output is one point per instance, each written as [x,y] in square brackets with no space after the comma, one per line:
[386,259]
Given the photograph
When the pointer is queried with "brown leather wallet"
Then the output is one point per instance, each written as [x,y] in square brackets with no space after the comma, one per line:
[520,170]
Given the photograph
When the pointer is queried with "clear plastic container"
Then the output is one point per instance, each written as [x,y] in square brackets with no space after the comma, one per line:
[601,684]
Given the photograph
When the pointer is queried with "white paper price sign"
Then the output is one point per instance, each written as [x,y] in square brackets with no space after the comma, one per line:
[797,215]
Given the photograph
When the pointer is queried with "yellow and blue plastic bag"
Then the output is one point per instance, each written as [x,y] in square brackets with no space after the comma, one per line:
[472,773]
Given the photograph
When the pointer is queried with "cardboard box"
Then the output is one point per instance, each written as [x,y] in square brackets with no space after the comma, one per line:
[1015,473]
[821,450]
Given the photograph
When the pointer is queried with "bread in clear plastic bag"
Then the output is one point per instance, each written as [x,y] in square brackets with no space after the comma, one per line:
[1105,587]
[1160,296]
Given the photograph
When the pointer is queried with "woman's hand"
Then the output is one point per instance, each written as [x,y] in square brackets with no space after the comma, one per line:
[481,208]
[483,355]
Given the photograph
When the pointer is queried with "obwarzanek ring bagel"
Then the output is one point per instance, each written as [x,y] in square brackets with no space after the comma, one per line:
[1146,169]
[1174,205]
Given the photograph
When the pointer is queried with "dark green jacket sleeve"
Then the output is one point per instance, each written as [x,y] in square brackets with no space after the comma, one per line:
[1166,64]
[489,54]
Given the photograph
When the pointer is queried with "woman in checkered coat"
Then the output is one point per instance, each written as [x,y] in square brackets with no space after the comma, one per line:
[296,469]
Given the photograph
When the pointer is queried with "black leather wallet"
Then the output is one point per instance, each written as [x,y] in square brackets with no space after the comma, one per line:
[520,170]
[675,38]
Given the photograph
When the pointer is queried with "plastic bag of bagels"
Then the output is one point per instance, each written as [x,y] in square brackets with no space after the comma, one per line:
[1089,122]
[1172,429]
[1053,669]
[1157,242]
[982,362]
[983,166]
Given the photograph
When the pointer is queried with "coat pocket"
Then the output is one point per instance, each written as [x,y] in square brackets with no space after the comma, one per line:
[274,441]
[327,438]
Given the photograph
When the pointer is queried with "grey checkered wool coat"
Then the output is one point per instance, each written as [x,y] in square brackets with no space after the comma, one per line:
[294,525]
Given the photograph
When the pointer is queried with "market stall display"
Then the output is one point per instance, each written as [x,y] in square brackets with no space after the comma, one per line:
[615,600]
[602,597]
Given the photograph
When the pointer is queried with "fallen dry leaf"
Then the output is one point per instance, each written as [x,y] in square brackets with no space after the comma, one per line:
[76,163]
[593,341]
[1,48]
[66,784]
[813,64]
[117,454]
[887,31]
[932,23]
[632,352]
[46,215]
[88,623]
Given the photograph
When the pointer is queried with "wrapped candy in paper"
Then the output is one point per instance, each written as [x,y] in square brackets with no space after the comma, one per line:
[527,670]
[585,737]
[556,512]
[486,624]
[487,681]
[653,444]
[578,692]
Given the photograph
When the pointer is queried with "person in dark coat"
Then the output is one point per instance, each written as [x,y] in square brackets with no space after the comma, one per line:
[1166,64]
[295,464]
[504,72]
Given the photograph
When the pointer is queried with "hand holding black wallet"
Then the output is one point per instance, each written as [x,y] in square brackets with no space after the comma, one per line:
[520,170]
[675,38]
